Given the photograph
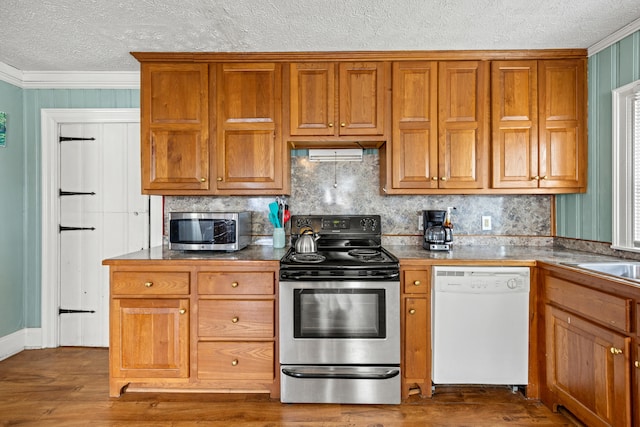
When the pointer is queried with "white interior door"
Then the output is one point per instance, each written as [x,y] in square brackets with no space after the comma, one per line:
[110,217]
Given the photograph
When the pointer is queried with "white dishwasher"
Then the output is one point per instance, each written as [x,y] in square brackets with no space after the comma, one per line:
[480,325]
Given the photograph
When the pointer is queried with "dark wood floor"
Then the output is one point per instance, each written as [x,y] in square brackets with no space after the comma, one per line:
[69,387]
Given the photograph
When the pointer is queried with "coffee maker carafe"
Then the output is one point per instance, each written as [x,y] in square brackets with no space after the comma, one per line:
[438,236]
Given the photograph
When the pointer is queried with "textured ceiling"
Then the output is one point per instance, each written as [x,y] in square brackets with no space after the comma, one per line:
[97,35]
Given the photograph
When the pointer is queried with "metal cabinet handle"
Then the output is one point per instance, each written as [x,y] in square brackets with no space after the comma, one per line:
[412,311]
[444,178]
[234,284]
[148,284]
[219,179]
[343,124]
[535,178]
[234,362]
[235,319]
[434,178]
[182,311]
[544,177]
[203,179]
[615,350]
[637,364]
[417,282]
[330,125]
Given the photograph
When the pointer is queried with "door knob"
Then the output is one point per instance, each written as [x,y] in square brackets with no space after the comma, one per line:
[615,350]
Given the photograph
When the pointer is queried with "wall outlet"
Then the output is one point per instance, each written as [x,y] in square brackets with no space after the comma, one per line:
[421,222]
[486,222]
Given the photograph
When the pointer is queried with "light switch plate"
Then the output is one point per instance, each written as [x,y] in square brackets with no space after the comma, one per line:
[486,223]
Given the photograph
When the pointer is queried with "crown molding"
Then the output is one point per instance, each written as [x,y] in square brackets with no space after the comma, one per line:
[614,38]
[10,75]
[70,79]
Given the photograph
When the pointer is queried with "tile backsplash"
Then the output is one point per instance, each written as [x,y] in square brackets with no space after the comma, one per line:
[353,188]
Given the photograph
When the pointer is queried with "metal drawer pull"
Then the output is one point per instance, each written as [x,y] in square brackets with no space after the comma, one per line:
[235,319]
[637,364]
[234,284]
[182,311]
[234,362]
[412,311]
[342,373]
[417,282]
[148,284]
[616,350]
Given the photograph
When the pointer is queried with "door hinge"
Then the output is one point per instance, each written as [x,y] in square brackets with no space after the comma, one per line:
[73,138]
[68,311]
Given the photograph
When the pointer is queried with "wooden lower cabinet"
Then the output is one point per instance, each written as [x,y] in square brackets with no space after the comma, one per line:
[587,368]
[150,339]
[588,350]
[416,329]
[200,327]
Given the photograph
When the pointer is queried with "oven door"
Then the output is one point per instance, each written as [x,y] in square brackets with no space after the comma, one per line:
[340,323]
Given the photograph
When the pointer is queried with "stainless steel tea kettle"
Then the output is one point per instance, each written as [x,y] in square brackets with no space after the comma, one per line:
[306,242]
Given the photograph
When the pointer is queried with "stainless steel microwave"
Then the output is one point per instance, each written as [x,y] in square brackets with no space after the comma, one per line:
[209,231]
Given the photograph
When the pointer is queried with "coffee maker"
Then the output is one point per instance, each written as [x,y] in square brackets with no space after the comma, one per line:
[438,235]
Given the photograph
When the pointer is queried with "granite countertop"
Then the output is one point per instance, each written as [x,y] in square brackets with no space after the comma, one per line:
[525,254]
[162,253]
[514,254]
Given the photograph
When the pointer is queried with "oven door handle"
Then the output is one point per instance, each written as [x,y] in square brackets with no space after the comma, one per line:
[342,373]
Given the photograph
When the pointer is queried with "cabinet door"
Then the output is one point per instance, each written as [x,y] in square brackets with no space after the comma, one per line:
[361,91]
[249,149]
[175,128]
[149,338]
[312,100]
[463,97]
[587,368]
[417,345]
[414,148]
[514,112]
[562,107]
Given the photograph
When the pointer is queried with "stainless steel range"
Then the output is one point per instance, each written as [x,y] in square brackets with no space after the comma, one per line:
[340,314]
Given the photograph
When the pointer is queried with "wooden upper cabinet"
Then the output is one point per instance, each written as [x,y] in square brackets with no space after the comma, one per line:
[562,106]
[312,98]
[463,107]
[174,128]
[539,125]
[514,112]
[328,99]
[249,150]
[414,150]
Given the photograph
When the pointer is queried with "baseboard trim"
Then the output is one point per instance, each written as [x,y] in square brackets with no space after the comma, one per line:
[27,338]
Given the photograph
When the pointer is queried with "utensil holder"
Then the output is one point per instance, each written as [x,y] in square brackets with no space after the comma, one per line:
[278,237]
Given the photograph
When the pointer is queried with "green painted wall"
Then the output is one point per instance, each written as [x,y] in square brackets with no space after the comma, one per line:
[34,101]
[13,175]
[588,216]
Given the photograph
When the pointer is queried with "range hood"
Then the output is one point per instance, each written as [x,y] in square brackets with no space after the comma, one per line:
[335,155]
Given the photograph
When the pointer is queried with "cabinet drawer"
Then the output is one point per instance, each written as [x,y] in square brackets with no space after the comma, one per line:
[234,318]
[150,283]
[234,283]
[227,360]
[604,308]
[415,281]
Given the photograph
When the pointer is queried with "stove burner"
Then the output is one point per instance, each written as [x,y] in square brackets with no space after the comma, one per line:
[364,253]
[311,258]
[367,255]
